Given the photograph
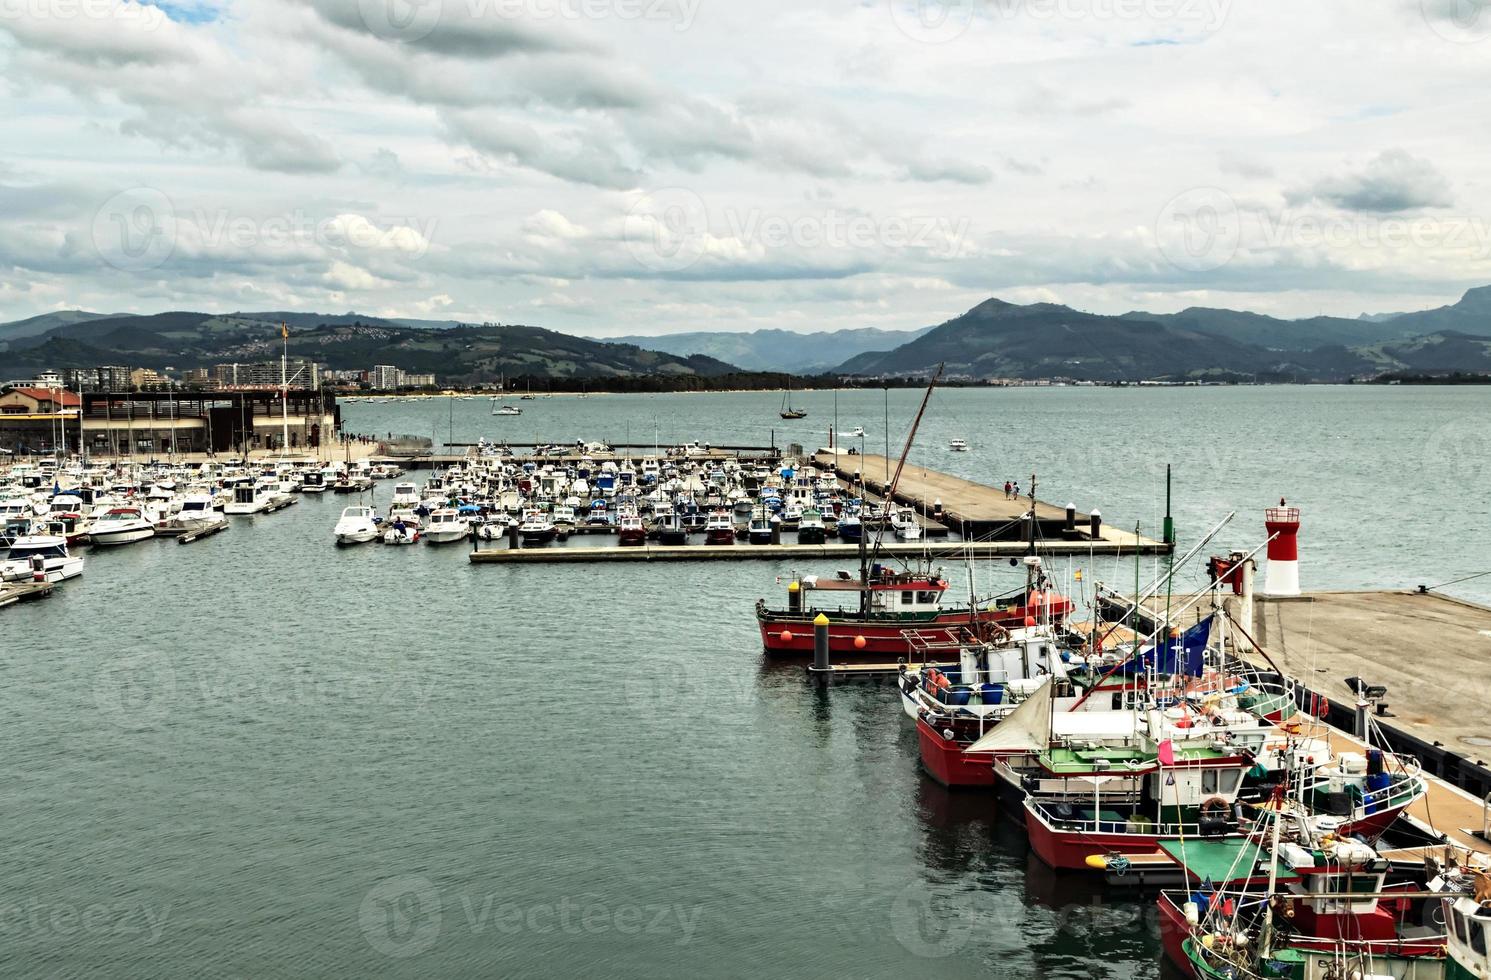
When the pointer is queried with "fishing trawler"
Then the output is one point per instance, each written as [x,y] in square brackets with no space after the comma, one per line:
[890,603]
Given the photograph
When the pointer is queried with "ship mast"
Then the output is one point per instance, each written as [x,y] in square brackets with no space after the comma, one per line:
[890,496]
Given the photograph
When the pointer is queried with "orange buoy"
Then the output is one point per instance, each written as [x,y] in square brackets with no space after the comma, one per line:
[786,636]
[1029,620]
[859,643]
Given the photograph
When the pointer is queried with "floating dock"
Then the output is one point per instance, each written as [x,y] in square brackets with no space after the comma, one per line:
[14,592]
[499,553]
[992,527]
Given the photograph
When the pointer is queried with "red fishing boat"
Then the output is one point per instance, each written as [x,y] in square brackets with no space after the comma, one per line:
[890,604]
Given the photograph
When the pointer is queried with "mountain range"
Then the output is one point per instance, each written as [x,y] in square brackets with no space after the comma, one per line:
[1046,340]
[182,340]
[779,350]
[995,339]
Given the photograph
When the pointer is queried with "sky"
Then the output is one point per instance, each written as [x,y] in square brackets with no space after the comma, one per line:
[611,167]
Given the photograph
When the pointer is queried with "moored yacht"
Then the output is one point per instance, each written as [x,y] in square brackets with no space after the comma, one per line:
[357,525]
[47,553]
[120,525]
[447,525]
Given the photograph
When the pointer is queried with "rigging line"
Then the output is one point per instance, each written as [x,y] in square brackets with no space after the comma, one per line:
[1455,581]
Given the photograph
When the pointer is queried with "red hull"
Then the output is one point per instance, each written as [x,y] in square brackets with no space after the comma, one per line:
[1069,851]
[1174,930]
[783,634]
[946,762]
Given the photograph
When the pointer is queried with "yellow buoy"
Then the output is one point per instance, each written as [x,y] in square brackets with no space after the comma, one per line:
[1097,862]
[793,586]
[822,620]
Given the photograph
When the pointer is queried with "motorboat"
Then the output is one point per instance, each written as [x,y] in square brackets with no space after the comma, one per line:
[400,532]
[958,446]
[905,525]
[120,525]
[313,482]
[46,554]
[537,528]
[672,531]
[719,529]
[508,410]
[404,495]
[630,531]
[252,497]
[197,513]
[446,525]
[357,525]
[760,529]
[810,528]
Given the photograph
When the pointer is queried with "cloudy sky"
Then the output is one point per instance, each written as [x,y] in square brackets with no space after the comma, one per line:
[652,166]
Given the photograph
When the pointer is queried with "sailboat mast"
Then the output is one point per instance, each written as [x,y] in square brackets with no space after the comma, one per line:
[284,388]
[890,491]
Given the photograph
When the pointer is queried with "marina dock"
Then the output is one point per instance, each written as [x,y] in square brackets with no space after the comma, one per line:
[499,554]
[14,592]
[980,511]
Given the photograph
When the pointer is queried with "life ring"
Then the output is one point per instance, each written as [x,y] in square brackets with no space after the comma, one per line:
[1215,804]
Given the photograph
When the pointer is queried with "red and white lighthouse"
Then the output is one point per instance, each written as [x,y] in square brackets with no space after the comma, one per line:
[1283,550]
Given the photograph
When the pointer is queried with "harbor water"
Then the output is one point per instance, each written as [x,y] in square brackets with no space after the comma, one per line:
[260,755]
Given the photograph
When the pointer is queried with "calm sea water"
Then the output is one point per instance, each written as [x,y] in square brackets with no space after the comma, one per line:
[262,756]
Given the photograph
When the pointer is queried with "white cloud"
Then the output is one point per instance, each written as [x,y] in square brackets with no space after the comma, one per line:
[849,167]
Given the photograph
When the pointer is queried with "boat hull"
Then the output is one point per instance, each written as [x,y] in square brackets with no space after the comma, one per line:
[785,634]
[945,761]
[106,539]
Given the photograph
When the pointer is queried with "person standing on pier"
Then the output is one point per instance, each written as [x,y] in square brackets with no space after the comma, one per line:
[1007,486]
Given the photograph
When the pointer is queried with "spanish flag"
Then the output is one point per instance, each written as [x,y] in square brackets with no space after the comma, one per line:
[284,332]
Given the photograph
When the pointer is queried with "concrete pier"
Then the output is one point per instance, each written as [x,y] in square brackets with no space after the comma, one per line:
[979,510]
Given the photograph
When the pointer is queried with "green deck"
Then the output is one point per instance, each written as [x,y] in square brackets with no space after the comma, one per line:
[1065,761]
[1225,862]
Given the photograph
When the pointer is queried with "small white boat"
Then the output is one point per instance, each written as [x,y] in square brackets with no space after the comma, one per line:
[537,528]
[120,525]
[401,533]
[46,552]
[252,498]
[905,525]
[197,513]
[958,446]
[357,525]
[507,410]
[404,495]
[447,525]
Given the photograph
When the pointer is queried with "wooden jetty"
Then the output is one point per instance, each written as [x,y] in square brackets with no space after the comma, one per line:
[205,532]
[982,511]
[14,592]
